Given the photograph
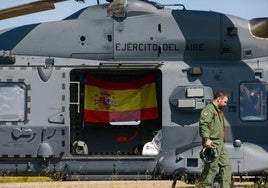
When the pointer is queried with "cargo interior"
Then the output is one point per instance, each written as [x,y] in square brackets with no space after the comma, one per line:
[104,138]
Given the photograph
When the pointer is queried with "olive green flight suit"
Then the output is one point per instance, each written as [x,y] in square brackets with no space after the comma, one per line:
[211,126]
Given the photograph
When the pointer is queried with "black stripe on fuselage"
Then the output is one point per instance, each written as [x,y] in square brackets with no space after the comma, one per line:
[10,38]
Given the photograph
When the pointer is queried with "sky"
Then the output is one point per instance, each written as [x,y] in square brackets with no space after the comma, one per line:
[247,9]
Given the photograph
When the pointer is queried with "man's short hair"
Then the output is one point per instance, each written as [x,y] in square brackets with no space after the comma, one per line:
[221,94]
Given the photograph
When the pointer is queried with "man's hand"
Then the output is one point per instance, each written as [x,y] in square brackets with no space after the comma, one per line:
[208,143]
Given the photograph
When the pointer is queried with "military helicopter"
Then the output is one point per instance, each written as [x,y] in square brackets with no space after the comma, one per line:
[115,90]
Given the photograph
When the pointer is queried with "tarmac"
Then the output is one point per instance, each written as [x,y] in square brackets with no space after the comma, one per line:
[95,184]
[108,184]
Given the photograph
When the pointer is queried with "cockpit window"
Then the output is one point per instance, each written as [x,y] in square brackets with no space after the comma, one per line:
[253,101]
[12,102]
[259,27]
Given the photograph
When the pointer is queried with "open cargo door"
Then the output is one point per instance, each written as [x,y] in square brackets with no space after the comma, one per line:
[117,112]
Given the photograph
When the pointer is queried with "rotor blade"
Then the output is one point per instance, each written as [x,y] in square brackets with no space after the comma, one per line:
[20,10]
[259,27]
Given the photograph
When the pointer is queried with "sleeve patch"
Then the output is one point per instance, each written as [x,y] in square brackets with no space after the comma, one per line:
[205,113]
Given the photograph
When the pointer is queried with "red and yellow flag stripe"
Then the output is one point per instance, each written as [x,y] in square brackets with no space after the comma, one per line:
[107,101]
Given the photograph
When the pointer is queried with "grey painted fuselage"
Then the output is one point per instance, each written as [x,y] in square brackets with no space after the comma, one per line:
[192,54]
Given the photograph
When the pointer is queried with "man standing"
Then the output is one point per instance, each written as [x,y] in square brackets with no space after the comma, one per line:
[212,131]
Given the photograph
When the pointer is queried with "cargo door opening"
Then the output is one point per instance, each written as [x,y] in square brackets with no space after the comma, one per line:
[114,112]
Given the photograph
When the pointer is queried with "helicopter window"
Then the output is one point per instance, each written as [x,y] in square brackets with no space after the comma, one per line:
[253,101]
[12,102]
[258,27]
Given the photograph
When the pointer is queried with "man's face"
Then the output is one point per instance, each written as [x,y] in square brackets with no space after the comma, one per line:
[222,102]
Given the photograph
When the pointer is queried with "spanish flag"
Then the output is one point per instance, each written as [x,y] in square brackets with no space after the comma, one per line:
[110,101]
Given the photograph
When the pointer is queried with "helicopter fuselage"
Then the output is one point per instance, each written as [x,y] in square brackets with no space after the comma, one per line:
[46,84]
